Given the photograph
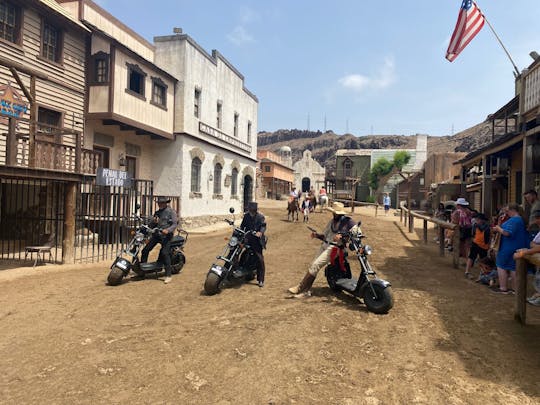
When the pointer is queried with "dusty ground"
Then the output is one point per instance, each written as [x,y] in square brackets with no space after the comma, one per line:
[68,338]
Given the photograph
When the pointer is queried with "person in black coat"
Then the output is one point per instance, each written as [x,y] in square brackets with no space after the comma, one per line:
[255,221]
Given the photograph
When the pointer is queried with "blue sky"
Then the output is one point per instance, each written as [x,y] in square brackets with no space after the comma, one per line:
[366,66]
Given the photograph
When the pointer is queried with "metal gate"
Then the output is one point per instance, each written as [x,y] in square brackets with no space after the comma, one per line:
[31,214]
[105,217]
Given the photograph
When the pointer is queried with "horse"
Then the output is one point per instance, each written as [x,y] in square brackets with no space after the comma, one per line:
[292,208]
[323,202]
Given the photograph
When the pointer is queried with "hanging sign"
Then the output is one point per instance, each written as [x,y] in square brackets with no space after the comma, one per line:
[11,102]
[112,177]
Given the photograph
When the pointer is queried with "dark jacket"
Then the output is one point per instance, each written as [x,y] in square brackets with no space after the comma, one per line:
[166,218]
[255,223]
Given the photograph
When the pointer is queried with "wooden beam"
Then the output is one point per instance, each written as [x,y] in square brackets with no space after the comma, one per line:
[21,85]
[21,68]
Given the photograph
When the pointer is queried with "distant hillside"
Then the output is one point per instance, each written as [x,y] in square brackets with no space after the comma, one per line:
[324,145]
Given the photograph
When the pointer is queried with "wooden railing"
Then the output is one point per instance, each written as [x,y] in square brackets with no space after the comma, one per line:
[408,216]
[57,156]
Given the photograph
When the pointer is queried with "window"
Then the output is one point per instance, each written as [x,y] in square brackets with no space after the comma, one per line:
[347,168]
[197,103]
[236,124]
[219,118]
[159,92]
[100,64]
[249,132]
[217,178]
[136,78]
[267,169]
[50,119]
[234,182]
[131,166]
[10,22]
[51,43]
[196,175]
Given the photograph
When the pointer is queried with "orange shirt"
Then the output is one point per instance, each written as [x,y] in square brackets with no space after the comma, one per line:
[478,238]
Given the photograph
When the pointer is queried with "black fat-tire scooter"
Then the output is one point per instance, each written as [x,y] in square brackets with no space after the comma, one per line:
[128,259]
[375,292]
[239,262]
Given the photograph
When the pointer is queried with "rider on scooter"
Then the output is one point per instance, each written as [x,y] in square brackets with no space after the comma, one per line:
[255,221]
[338,224]
[166,219]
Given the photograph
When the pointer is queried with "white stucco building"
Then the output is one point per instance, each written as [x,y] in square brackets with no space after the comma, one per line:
[308,173]
[211,165]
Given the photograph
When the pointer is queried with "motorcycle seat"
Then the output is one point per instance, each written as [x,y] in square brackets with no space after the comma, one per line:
[177,239]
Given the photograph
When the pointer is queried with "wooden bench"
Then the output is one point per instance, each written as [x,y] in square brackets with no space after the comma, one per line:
[46,244]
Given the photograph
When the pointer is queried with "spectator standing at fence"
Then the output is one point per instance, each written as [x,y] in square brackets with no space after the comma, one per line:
[481,237]
[386,202]
[514,236]
[533,249]
[531,197]
[462,216]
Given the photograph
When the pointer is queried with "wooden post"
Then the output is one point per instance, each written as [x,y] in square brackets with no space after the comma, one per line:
[376,210]
[441,241]
[401,214]
[455,246]
[33,125]
[411,222]
[425,231]
[520,308]
[68,244]
[78,152]
[11,147]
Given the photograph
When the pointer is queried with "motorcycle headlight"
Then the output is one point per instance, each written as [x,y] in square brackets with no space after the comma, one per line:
[233,241]
[368,250]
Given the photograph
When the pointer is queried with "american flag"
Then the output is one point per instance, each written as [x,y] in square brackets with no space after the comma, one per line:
[470,22]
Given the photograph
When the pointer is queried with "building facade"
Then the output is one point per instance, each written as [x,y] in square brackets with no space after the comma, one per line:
[212,164]
[276,175]
[308,173]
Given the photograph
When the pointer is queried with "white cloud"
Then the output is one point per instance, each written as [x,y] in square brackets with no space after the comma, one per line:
[248,16]
[359,83]
[239,36]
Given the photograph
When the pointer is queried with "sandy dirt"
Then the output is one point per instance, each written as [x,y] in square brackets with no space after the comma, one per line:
[68,338]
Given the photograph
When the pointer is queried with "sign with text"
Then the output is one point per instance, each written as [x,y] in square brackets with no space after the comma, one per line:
[112,177]
[11,102]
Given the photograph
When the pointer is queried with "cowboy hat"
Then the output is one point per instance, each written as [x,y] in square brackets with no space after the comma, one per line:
[462,201]
[337,208]
[161,200]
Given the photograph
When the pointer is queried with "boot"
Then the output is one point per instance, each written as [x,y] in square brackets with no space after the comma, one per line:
[304,285]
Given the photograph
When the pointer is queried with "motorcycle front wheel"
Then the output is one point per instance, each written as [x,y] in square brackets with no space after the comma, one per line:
[211,285]
[379,302]
[115,276]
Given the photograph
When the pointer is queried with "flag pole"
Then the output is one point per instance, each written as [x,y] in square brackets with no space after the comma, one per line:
[502,45]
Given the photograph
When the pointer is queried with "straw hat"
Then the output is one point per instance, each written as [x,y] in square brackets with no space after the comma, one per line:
[462,201]
[337,208]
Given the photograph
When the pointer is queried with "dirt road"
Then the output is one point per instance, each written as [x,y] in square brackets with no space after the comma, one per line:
[67,338]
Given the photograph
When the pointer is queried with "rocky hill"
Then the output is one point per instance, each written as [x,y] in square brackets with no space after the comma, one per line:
[323,145]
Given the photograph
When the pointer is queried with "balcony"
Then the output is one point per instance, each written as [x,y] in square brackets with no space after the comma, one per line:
[54,149]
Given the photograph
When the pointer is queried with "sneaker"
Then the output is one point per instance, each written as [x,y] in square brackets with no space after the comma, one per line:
[261,284]
[534,301]
[499,291]
[306,294]
[167,280]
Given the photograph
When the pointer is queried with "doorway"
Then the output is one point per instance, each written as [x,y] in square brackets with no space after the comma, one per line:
[248,190]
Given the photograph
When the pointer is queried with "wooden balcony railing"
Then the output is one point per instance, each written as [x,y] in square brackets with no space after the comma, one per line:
[57,156]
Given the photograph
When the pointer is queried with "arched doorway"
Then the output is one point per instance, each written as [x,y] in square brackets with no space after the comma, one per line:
[306,184]
[248,190]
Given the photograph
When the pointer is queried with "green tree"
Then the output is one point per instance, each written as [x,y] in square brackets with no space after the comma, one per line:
[384,167]
[401,158]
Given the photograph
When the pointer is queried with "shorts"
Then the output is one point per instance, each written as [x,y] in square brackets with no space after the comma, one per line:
[477,251]
[486,278]
[386,207]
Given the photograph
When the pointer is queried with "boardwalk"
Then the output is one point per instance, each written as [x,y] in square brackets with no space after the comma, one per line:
[69,338]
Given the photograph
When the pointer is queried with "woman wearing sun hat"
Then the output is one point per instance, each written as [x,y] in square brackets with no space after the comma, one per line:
[462,216]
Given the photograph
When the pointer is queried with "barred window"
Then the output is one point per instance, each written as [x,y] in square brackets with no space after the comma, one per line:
[159,92]
[234,182]
[217,178]
[196,165]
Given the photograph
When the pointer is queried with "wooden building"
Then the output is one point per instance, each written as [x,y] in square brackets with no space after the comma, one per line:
[277,177]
